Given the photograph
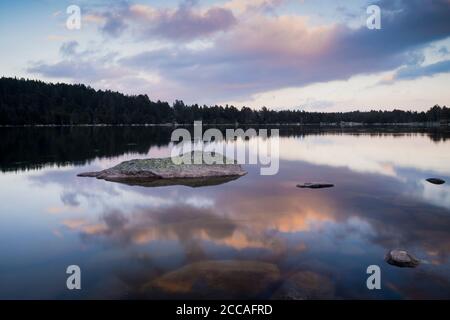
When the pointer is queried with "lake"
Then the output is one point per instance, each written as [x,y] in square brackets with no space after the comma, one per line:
[255,237]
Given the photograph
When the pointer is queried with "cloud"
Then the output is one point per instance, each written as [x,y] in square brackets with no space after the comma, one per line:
[250,51]
[184,23]
[97,73]
[417,71]
[69,48]
[110,19]
[243,6]
[443,51]
[88,71]
[93,18]
[55,37]
[114,25]
[288,51]
[94,68]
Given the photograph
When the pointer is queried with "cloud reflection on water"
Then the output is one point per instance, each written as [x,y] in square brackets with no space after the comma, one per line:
[380,202]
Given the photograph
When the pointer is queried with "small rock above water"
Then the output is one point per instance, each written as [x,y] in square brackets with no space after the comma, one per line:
[167,171]
[401,258]
[435,181]
[315,185]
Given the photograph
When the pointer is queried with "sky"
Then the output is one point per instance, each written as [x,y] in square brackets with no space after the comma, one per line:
[315,55]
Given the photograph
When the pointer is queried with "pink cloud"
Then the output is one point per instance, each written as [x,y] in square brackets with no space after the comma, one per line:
[255,52]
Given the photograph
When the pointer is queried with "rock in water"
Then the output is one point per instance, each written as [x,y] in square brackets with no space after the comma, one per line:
[401,258]
[436,181]
[305,285]
[223,279]
[314,185]
[171,171]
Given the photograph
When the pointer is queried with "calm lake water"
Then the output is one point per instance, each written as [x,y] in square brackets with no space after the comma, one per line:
[254,237]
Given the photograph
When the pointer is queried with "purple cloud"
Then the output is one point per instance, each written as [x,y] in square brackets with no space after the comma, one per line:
[114,25]
[261,52]
[185,23]
[286,52]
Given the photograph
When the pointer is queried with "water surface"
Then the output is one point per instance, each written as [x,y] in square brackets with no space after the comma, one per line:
[249,238]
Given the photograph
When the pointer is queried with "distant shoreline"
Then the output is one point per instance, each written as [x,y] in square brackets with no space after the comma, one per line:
[346,125]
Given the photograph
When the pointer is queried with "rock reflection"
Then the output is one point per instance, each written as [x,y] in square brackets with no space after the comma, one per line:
[191,182]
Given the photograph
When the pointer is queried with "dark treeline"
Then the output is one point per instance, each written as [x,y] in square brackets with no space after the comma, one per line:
[28,102]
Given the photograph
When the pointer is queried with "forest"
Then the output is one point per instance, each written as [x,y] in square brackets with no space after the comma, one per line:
[32,102]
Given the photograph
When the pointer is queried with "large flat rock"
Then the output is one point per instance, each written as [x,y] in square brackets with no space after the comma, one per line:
[166,171]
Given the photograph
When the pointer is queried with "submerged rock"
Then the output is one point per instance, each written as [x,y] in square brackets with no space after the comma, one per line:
[436,181]
[305,285]
[226,279]
[167,171]
[401,258]
[315,185]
